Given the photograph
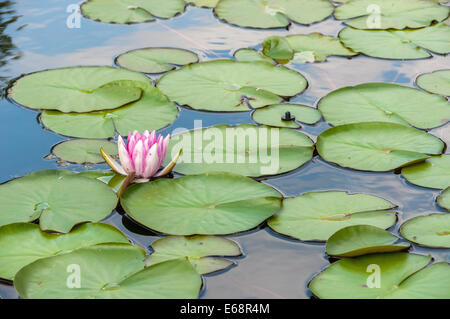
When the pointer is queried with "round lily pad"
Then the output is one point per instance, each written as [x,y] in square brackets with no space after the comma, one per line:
[360,240]
[208,204]
[384,102]
[313,47]
[59,199]
[376,146]
[226,85]
[203,3]
[432,173]
[432,230]
[272,13]
[401,276]
[250,55]
[393,14]
[107,271]
[83,151]
[155,60]
[152,112]
[244,149]
[198,249]
[398,44]
[318,215]
[23,243]
[78,89]
[131,11]
[436,82]
[444,199]
[273,115]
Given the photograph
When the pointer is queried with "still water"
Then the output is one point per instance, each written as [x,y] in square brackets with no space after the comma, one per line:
[34,36]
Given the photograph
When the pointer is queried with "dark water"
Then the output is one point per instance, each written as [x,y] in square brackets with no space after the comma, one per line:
[34,36]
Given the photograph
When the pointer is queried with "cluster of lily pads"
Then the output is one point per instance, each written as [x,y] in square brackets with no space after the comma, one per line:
[377,127]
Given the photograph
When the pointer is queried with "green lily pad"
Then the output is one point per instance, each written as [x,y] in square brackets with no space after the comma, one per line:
[23,243]
[77,89]
[398,44]
[436,82]
[360,240]
[431,231]
[251,55]
[376,146]
[208,204]
[131,11]
[59,199]
[152,112]
[107,271]
[444,199]
[318,215]
[402,276]
[267,14]
[226,85]
[198,249]
[244,149]
[385,102]
[299,47]
[83,151]
[155,60]
[272,115]
[394,14]
[432,173]
[203,3]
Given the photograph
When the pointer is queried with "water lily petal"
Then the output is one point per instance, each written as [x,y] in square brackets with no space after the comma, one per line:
[151,162]
[124,156]
[138,158]
[112,163]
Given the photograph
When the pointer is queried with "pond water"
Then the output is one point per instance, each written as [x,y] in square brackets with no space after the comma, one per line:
[35,37]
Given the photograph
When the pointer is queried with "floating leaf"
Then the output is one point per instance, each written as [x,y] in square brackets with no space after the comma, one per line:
[22,243]
[272,13]
[131,11]
[244,149]
[107,271]
[59,199]
[83,150]
[376,146]
[208,204]
[360,240]
[272,115]
[432,230]
[398,44]
[203,3]
[251,55]
[402,276]
[226,85]
[384,102]
[152,112]
[155,60]
[198,249]
[436,82]
[314,47]
[78,89]
[432,173]
[393,14]
[444,199]
[318,215]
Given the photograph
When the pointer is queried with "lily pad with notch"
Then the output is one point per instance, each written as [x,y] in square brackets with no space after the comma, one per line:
[360,240]
[432,173]
[44,195]
[403,276]
[227,86]
[431,230]
[23,243]
[316,216]
[203,3]
[83,151]
[277,115]
[204,252]
[155,60]
[377,146]
[251,55]
[208,204]
[108,271]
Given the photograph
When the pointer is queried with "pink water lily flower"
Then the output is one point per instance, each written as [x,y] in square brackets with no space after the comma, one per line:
[141,157]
